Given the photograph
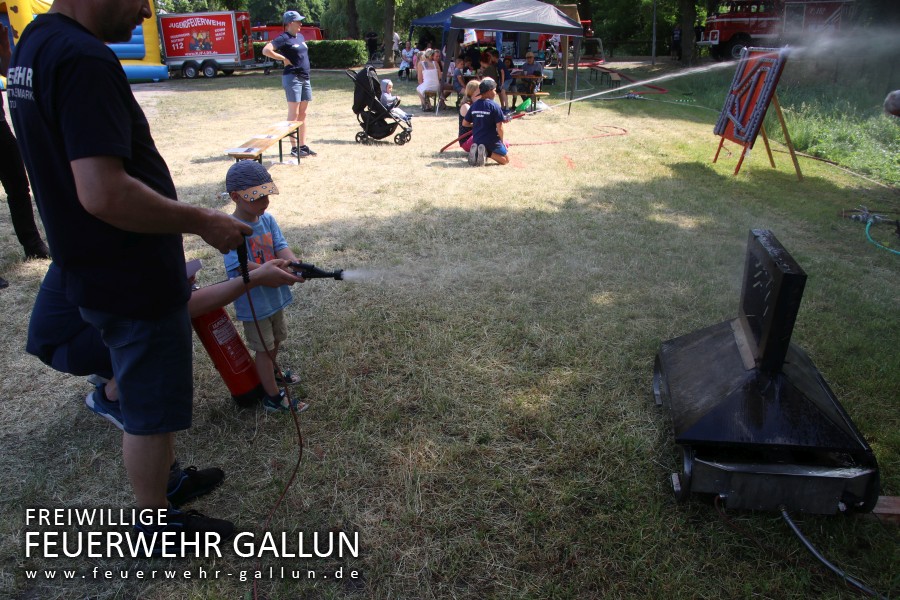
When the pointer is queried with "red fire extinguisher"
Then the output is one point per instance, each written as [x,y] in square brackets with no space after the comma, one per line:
[229,355]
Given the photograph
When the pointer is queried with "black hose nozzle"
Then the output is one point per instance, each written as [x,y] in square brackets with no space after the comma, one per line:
[310,271]
[243,259]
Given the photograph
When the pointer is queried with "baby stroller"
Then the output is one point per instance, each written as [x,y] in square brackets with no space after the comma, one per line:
[375,118]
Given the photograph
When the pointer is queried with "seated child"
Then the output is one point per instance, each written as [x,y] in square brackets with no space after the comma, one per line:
[472,94]
[391,102]
[459,81]
[250,185]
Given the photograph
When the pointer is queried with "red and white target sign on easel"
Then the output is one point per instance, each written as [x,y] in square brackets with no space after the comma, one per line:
[752,90]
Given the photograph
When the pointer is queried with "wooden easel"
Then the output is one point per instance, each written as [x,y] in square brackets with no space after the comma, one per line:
[787,140]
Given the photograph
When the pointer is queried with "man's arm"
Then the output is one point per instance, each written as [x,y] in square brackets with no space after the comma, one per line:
[271,274]
[109,193]
[500,130]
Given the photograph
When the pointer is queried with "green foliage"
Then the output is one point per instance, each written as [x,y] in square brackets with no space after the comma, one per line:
[261,11]
[335,20]
[258,56]
[189,6]
[268,11]
[337,54]
[327,54]
[843,124]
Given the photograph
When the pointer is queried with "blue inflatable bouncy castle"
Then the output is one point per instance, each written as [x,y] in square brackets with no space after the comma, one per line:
[140,56]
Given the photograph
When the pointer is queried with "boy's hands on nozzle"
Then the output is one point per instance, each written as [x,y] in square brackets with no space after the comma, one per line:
[274,273]
[224,232]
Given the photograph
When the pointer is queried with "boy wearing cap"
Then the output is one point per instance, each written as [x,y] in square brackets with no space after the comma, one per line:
[291,49]
[250,185]
[486,120]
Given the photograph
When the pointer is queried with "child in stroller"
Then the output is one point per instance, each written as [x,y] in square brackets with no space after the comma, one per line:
[391,102]
[376,120]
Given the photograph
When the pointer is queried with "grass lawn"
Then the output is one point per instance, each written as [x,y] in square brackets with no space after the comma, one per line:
[482,410]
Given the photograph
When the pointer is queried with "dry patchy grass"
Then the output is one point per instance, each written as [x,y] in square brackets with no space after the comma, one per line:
[481,407]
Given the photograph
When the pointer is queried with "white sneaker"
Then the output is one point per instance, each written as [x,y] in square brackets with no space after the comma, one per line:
[480,154]
[472,152]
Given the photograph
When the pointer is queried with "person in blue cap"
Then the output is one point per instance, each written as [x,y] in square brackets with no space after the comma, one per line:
[291,49]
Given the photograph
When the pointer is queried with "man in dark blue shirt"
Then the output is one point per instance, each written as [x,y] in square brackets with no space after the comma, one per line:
[114,226]
[486,120]
[291,49]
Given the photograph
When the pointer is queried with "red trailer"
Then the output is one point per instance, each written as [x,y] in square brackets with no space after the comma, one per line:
[205,43]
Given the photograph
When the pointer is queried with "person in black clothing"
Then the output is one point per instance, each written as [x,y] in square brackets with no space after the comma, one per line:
[676,42]
[372,44]
[14,179]
[114,225]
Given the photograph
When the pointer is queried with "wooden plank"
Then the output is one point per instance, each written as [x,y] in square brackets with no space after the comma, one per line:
[888,509]
[787,136]
[257,145]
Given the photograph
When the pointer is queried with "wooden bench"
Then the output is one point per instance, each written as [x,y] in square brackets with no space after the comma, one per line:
[254,148]
[615,80]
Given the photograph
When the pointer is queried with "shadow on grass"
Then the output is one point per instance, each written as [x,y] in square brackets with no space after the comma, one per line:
[484,391]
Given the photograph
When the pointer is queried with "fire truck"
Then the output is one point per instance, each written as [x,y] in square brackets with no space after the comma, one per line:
[737,24]
[267,33]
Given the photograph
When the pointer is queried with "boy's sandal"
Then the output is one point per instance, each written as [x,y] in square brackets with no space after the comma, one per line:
[287,377]
[274,403]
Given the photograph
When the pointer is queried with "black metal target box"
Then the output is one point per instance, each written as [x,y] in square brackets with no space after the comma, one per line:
[757,423]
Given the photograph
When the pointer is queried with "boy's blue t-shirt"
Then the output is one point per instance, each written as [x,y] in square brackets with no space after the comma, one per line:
[262,245]
[484,116]
[457,73]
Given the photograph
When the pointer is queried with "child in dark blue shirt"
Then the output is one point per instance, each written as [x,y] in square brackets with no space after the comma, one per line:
[486,120]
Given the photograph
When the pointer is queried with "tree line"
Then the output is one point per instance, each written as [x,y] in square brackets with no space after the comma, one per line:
[612,19]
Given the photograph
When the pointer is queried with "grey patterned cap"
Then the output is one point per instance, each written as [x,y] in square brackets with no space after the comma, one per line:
[250,179]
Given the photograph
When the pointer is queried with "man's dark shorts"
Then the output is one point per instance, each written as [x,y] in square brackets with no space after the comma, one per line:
[152,361]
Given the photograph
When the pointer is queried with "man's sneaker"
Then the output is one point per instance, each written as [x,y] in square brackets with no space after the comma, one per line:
[295,152]
[275,403]
[472,152]
[479,155]
[186,525]
[100,404]
[97,379]
[3,283]
[192,483]
[309,151]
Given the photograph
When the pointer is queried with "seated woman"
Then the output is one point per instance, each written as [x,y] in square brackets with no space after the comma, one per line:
[429,79]
[391,102]
[472,94]
[406,62]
